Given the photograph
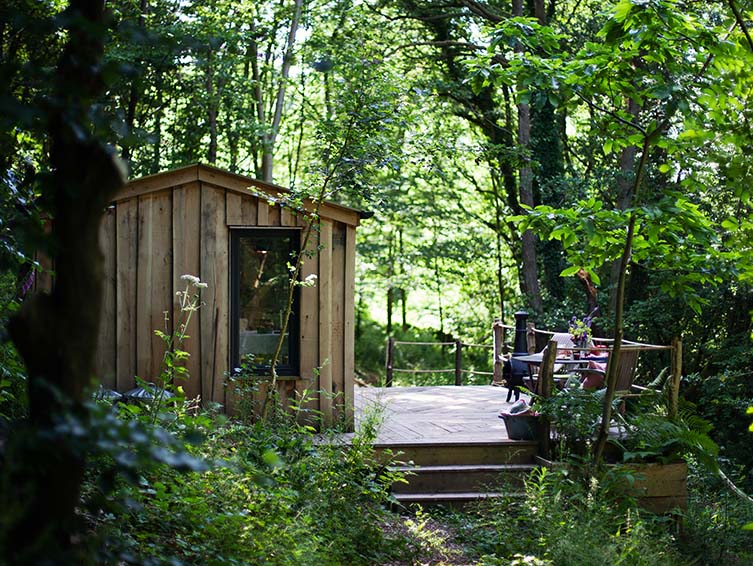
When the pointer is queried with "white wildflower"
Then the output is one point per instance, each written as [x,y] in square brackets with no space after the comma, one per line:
[191,279]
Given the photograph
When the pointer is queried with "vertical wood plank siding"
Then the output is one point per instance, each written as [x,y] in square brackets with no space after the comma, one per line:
[349,336]
[337,357]
[309,313]
[105,360]
[159,231]
[214,313]
[154,290]
[126,234]
[262,212]
[186,254]
[325,321]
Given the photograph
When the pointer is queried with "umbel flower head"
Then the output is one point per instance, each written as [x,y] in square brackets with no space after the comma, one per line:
[193,280]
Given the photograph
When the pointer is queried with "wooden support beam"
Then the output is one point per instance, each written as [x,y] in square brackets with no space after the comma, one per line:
[390,361]
[546,382]
[458,363]
[675,378]
[499,333]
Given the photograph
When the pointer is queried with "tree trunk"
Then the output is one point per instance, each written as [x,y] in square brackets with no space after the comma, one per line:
[390,283]
[530,275]
[56,334]
[157,146]
[211,109]
[612,366]
[273,128]
[624,199]
[133,94]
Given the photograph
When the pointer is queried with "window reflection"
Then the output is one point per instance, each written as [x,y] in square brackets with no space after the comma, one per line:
[264,275]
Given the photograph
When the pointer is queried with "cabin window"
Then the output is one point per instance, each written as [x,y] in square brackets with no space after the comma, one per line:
[260,279]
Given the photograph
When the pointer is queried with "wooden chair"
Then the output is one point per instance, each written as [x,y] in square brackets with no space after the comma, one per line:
[564,346]
[626,366]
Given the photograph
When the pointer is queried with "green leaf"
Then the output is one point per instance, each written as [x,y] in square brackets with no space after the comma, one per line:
[572,270]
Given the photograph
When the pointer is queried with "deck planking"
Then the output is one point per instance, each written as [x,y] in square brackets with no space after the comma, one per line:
[435,414]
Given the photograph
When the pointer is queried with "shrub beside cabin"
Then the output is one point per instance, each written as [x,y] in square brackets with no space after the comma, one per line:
[203,221]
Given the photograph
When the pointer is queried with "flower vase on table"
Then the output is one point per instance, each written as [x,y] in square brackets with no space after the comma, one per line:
[580,333]
[581,344]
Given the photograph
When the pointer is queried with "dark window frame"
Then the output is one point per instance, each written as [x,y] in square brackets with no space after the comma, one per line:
[294,338]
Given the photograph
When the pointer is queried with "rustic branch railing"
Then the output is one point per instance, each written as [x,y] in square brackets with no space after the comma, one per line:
[457,370]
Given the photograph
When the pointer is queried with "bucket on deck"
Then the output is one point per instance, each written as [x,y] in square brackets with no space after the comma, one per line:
[520,422]
[521,427]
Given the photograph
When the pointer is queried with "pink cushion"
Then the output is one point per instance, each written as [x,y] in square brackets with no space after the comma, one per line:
[594,379]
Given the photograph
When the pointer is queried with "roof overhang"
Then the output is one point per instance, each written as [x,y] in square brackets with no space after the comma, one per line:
[199,172]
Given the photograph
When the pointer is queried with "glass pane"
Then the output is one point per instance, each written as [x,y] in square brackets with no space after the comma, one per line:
[263,288]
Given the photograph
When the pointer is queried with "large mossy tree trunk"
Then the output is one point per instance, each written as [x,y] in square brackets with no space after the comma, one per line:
[56,333]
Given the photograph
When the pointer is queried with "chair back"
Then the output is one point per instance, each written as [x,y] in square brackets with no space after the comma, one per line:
[564,341]
[626,369]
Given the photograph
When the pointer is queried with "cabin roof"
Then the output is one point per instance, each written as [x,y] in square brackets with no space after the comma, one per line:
[233,182]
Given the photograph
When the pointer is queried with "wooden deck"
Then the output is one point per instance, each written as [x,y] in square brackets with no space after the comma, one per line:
[448,441]
[435,415]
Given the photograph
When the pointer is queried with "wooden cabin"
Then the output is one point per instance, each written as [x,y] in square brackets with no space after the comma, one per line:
[237,235]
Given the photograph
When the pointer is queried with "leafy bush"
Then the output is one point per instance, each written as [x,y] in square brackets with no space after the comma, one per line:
[723,400]
[713,532]
[278,497]
[561,521]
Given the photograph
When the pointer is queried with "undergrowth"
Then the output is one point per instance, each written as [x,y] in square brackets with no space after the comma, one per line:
[561,520]
[564,521]
[273,495]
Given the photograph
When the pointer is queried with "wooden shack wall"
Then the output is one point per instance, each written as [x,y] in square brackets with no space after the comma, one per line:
[151,239]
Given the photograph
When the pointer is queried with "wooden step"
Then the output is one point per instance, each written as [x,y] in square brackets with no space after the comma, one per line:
[452,499]
[461,478]
[456,453]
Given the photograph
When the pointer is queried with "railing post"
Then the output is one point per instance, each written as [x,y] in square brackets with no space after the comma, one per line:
[521,333]
[676,377]
[546,384]
[531,339]
[499,336]
[458,362]
[390,361]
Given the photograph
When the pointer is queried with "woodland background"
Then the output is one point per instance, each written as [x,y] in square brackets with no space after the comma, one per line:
[505,148]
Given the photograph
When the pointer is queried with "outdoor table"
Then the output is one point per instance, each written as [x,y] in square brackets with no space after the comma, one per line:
[572,363]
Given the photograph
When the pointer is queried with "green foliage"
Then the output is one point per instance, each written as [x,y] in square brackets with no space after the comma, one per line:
[575,413]
[712,522]
[278,498]
[674,235]
[654,437]
[723,400]
[12,371]
[560,521]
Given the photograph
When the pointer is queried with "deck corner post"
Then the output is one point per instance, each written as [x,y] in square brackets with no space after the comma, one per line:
[458,362]
[498,334]
[531,338]
[676,377]
[546,384]
[390,361]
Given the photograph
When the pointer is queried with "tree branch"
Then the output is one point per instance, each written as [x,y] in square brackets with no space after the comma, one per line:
[741,22]
[483,11]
